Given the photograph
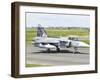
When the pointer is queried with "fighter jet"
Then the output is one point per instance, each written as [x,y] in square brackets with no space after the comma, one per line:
[43,41]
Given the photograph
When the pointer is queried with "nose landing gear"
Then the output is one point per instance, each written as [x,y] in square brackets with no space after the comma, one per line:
[75,50]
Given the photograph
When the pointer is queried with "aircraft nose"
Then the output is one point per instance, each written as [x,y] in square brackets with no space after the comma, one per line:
[82,44]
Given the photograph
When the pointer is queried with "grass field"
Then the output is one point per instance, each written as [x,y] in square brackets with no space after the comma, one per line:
[35,65]
[31,33]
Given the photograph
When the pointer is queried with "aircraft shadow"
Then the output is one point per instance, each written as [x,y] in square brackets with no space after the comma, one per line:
[62,52]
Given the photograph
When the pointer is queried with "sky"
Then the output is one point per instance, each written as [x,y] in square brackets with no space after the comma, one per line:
[56,20]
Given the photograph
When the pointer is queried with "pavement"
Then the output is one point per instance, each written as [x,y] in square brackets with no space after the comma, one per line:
[35,55]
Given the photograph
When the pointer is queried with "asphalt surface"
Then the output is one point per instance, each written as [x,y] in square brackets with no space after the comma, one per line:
[35,55]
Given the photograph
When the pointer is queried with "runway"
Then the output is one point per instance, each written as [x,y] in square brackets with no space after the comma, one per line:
[35,55]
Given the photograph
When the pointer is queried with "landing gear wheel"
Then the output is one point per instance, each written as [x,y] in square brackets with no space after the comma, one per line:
[48,50]
[75,50]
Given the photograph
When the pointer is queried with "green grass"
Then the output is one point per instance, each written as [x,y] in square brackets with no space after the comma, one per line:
[86,41]
[31,33]
[35,65]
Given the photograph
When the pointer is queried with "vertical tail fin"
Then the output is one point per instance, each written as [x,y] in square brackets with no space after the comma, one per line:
[41,32]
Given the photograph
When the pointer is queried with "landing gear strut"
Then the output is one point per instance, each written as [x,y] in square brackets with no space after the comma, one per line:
[75,50]
[58,49]
[48,49]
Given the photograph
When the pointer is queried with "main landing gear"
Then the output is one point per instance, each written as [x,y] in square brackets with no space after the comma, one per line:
[48,50]
[57,49]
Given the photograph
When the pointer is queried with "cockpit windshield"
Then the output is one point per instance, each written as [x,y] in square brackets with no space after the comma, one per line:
[73,38]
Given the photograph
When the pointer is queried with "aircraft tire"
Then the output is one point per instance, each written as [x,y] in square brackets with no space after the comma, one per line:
[48,50]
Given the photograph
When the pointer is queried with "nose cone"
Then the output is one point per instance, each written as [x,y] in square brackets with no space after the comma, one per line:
[82,44]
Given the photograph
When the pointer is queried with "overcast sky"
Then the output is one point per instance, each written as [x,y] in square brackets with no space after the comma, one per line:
[55,20]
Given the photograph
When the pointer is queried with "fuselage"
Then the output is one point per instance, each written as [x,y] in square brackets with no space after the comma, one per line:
[62,42]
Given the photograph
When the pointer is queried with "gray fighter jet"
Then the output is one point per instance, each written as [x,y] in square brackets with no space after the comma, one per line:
[43,41]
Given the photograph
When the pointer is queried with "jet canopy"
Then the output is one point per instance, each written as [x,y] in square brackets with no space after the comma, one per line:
[75,38]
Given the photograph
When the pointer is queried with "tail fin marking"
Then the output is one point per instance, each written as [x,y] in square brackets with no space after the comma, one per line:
[41,32]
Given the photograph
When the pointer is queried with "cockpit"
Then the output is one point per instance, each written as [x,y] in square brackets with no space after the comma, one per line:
[75,38]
